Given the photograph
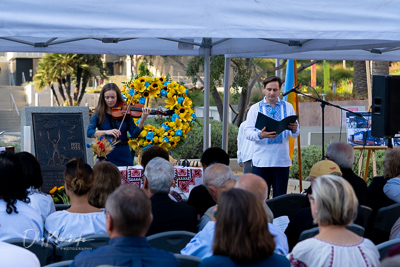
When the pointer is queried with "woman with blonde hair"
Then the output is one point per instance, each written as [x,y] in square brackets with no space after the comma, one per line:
[81,218]
[333,206]
[241,233]
[107,178]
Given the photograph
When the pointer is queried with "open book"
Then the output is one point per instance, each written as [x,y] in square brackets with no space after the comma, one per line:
[274,125]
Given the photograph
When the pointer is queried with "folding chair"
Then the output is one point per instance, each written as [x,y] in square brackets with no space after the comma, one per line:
[358,230]
[287,204]
[172,241]
[384,221]
[384,247]
[62,206]
[187,261]
[42,250]
[366,213]
[68,250]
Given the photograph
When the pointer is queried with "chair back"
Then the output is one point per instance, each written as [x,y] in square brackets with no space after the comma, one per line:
[367,215]
[287,204]
[384,247]
[187,261]
[62,206]
[60,264]
[172,241]
[358,230]
[42,250]
[68,250]
[384,221]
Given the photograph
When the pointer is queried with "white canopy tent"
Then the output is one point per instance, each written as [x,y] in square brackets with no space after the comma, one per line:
[310,29]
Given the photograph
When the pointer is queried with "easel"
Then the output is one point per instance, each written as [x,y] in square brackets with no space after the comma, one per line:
[370,150]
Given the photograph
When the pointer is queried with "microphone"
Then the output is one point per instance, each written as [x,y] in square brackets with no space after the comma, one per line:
[292,90]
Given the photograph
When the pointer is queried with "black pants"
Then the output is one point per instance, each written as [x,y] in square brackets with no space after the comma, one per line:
[278,177]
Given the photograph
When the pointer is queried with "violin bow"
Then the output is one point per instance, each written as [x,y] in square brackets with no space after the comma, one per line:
[126,111]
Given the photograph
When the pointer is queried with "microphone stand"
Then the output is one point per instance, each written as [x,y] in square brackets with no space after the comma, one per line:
[323,104]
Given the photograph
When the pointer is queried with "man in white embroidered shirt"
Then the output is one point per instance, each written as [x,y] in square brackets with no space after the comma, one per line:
[271,158]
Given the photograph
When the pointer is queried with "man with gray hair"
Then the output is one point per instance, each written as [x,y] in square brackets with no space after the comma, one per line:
[217,178]
[343,155]
[168,214]
[128,211]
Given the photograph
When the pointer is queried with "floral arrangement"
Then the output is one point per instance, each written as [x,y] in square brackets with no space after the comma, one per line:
[175,95]
[59,195]
[101,147]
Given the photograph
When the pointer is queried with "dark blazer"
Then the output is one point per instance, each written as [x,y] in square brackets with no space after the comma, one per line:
[169,215]
[358,184]
[201,199]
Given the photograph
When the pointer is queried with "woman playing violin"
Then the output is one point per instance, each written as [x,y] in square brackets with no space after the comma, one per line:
[103,124]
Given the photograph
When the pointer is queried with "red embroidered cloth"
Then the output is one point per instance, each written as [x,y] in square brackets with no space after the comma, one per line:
[185,178]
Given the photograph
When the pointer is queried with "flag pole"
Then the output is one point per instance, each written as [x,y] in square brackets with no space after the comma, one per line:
[298,137]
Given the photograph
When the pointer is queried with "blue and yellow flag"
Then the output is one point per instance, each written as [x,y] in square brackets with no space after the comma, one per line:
[290,82]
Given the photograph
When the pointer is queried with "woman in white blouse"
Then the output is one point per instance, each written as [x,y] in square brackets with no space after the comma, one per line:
[81,219]
[41,202]
[333,206]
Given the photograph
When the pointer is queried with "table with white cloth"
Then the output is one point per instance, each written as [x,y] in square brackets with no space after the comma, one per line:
[185,178]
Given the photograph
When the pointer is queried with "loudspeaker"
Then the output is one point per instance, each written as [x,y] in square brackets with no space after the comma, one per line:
[385,105]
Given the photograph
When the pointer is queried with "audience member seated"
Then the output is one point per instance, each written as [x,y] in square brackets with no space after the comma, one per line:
[241,233]
[201,245]
[395,232]
[333,206]
[391,261]
[128,218]
[302,219]
[168,214]
[343,155]
[376,197]
[199,197]
[107,178]
[152,152]
[14,256]
[17,218]
[391,171]
[81,218]
[217,178]
[41,202]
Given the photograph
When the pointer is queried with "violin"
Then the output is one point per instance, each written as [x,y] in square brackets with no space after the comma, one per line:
[135,111]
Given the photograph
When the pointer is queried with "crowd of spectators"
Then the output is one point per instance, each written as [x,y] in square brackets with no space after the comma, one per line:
[231,219]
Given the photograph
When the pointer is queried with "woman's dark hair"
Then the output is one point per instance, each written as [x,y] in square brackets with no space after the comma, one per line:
[12,186]
[241,230]
[107,178]
[30,169]
[153,152]
[214,155]
[78,176]
[101,108]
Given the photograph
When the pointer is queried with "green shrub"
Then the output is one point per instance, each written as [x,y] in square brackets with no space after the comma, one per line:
[16,145]
[192,146]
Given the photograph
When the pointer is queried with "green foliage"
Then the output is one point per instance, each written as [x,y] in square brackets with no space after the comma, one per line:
[309,156]
[192,146]
[16,145]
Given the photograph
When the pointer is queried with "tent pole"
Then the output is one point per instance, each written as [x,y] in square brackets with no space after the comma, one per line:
[225,121]
[207,52]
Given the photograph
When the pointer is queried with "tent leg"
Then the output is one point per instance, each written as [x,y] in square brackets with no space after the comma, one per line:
[225,119]
[206,137]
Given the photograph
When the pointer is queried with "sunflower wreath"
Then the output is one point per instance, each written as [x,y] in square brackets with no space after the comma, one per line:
[174,128]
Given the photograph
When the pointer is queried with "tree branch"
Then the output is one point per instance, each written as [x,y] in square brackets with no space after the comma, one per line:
[174,58]
[305,66]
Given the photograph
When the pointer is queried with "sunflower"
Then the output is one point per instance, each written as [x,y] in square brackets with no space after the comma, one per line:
[173,144]
[154,93]
[165,145]
[154,86]
[161,79]
[181,89]
[142,79]
[131,85]
[146,93]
